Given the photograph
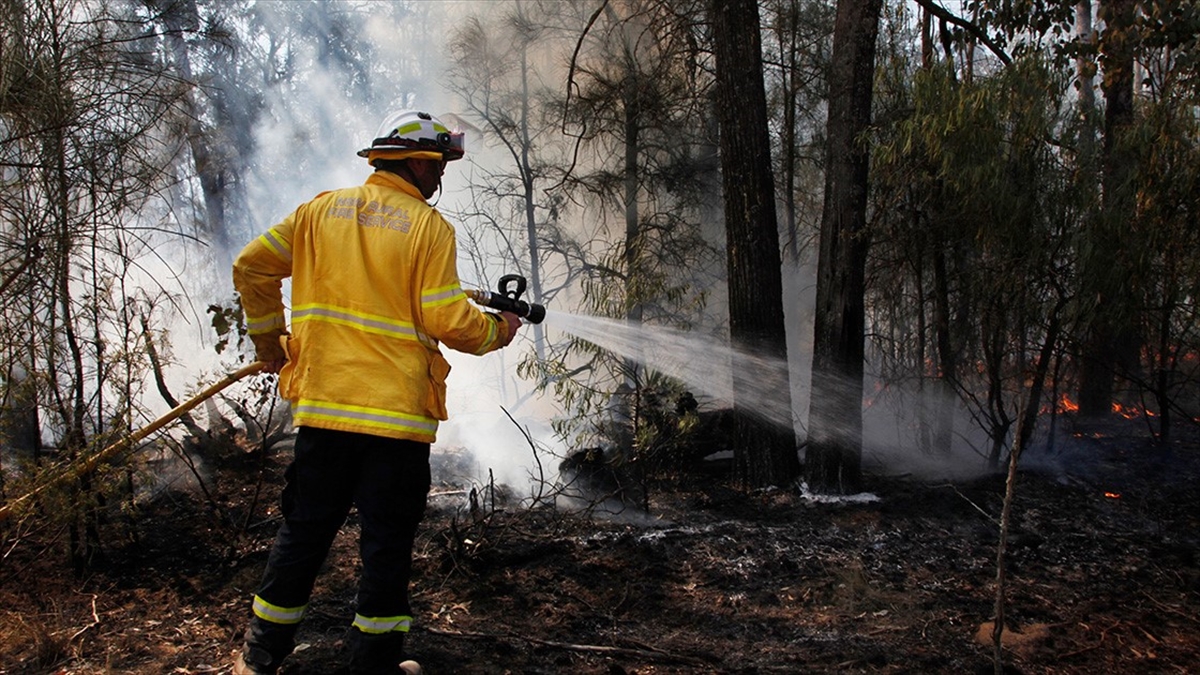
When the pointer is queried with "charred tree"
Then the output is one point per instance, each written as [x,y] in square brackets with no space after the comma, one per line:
[767,454]
[834,460]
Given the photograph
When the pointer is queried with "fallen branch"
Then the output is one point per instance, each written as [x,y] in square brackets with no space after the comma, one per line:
[95,622]
[447,493]
[992,519]
[1170,608]
[647,652]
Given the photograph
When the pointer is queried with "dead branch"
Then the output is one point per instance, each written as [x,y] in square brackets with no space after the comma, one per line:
[161,383]
[977,32]
[95,622]
[975,506]
[645,652]
[33,253]
[541,477]
[1170,608]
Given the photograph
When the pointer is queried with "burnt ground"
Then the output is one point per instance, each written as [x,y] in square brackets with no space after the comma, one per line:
[1103,577]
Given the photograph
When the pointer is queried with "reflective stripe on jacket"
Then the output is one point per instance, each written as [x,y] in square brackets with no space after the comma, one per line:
[375,289]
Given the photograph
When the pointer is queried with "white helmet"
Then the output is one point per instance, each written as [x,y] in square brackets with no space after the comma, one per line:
[414,135]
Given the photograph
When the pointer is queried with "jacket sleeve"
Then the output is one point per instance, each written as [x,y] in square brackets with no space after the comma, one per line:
[445,311]
[258,273]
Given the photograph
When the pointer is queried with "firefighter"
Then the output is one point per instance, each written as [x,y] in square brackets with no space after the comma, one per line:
[375,291]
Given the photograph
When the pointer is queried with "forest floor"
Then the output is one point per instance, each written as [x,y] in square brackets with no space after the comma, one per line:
[1103,576]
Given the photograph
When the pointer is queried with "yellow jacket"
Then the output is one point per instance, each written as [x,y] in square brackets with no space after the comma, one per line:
[375,288]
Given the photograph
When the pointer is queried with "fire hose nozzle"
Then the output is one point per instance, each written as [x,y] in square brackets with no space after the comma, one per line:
[509,300]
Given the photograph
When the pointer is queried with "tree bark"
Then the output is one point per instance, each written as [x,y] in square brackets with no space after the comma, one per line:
[1111,337]
[834,460]
[767,455]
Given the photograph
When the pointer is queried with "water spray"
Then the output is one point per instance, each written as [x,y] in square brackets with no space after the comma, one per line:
[509,299]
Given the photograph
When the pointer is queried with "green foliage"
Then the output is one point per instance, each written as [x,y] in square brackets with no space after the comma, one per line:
[640,178]
[229,323]
[979,209]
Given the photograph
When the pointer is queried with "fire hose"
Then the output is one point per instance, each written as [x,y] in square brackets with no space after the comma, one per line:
[509,299]
[506,299]
[84,466]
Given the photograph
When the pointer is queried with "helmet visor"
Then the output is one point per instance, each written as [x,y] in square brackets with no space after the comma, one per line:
[455,145]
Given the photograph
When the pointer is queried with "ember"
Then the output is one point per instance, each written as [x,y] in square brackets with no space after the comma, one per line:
[1113,495]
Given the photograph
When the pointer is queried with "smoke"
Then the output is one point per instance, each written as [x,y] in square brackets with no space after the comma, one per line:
[499,421]
[305,143]
[305,139]
[898,426]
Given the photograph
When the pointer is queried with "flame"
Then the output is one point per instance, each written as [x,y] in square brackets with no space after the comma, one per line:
[1066,405]
[1113,495]
[1130,412]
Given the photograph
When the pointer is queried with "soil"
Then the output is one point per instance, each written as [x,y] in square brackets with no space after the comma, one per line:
[1102,577]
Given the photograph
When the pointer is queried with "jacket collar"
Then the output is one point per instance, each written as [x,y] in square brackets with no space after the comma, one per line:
[389,179]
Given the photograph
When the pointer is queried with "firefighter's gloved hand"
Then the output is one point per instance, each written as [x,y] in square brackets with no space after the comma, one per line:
[268,348]
[509,330]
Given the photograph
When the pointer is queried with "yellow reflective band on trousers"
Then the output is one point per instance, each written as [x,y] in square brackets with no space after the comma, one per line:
[376,625]
[307,410]
[276,614]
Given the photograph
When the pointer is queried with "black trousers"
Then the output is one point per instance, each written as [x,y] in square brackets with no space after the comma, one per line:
[388,481]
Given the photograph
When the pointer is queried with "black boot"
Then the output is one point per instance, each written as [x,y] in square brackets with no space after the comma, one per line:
[266,646]
[375,653]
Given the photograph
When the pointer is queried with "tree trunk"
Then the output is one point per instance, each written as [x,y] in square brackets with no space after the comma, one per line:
[633,236]
[215,161]
[834,461]
[947,363]
[767,454]
[531,225]
[1111,336]
[789,93]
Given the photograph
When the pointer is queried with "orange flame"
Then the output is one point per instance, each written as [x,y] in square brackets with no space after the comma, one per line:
[1130,412]
[1066,405]
[1113,495]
